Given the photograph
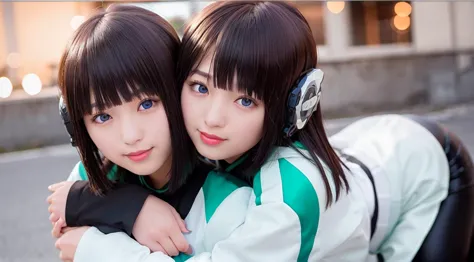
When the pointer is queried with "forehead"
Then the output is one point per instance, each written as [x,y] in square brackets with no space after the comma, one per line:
[207,64]
[102,104]
[207,67]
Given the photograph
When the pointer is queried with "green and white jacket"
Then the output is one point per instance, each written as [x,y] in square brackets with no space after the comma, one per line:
[283,219]
[218,209]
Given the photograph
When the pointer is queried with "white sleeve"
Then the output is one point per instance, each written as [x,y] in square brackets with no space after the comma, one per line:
[95,246]
[271,232]
[280,226]
[75,174]
[427,188]
[286,221]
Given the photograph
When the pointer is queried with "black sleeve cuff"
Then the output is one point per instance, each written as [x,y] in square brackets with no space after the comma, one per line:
[115,211]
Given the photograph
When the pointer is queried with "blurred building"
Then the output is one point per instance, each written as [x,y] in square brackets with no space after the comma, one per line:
[394,51]
[376,55]
[393,54]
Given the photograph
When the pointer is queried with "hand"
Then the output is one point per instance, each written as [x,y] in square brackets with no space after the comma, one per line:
[68,242]
[57,201]
[58,227]
[159,227]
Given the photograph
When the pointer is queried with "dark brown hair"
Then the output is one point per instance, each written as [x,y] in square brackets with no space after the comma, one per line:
[267,46]
[116,55]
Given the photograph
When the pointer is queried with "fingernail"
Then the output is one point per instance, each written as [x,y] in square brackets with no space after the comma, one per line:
[190,250]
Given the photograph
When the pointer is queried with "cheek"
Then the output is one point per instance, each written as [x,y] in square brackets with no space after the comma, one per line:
[158,128]
[102,137]
[190,106]
[256,125]
[250,126]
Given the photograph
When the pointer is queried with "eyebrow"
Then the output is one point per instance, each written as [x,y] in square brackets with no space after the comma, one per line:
[201,73]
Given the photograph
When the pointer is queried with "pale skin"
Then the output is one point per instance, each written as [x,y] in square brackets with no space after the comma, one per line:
[117,132]
[230,115]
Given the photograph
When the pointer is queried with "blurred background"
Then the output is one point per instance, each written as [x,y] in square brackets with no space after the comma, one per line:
[378,56]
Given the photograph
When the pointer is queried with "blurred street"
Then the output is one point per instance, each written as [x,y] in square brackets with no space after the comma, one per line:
[24,177]
[413,56]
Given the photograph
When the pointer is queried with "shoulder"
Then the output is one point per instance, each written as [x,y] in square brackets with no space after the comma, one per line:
[290,177]
[78,172]
[221,187]
[222,182]
[290,182]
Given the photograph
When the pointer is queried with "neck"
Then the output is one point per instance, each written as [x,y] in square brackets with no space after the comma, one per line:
[232,159]
[161,176]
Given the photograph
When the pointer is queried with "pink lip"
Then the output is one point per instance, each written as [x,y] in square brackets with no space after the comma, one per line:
[210,139]
[139,155]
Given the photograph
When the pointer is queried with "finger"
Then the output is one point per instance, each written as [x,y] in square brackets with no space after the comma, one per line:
[155,247]
[181,243]
[67,229]
[63,257]
[57,232]
[54,234]
[181,224]
[55,187]
[53,218]
[49,199]
[169,246]
[57,244]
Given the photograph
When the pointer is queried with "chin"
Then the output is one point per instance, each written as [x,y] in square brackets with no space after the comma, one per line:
[212,154]
[143,171]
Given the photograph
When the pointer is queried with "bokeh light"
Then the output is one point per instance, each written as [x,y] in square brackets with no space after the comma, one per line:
[6,87]
[76,21]
[32,84]
[401,23]
[402,9]
[335,7]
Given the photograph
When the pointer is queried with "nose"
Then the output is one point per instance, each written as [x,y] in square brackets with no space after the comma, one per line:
[132,132]
[216,114]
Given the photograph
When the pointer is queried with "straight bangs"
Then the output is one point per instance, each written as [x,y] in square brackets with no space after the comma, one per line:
[263,47]
[99,68]
[114,56]
[244,39]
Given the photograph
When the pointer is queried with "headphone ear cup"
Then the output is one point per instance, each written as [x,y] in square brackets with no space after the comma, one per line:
[303,100]
[293,99]
[66,120]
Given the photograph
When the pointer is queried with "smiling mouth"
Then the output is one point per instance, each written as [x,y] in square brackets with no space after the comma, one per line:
[139,155]
[210,139]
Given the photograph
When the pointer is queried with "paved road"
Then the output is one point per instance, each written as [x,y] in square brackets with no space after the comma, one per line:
[24,177]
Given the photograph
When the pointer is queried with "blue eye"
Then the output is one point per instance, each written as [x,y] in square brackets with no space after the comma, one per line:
[147,104]
[245,102]
[200,88]
[101,118]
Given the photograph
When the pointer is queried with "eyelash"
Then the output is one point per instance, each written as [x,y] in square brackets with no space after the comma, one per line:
[254,103]
[192,83]
[94,118]
[196,82]
[155,101]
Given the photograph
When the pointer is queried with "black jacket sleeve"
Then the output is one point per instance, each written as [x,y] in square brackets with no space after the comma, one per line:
[115,211]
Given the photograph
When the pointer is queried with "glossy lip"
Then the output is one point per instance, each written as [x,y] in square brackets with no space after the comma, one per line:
[139,155]
[210,139]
